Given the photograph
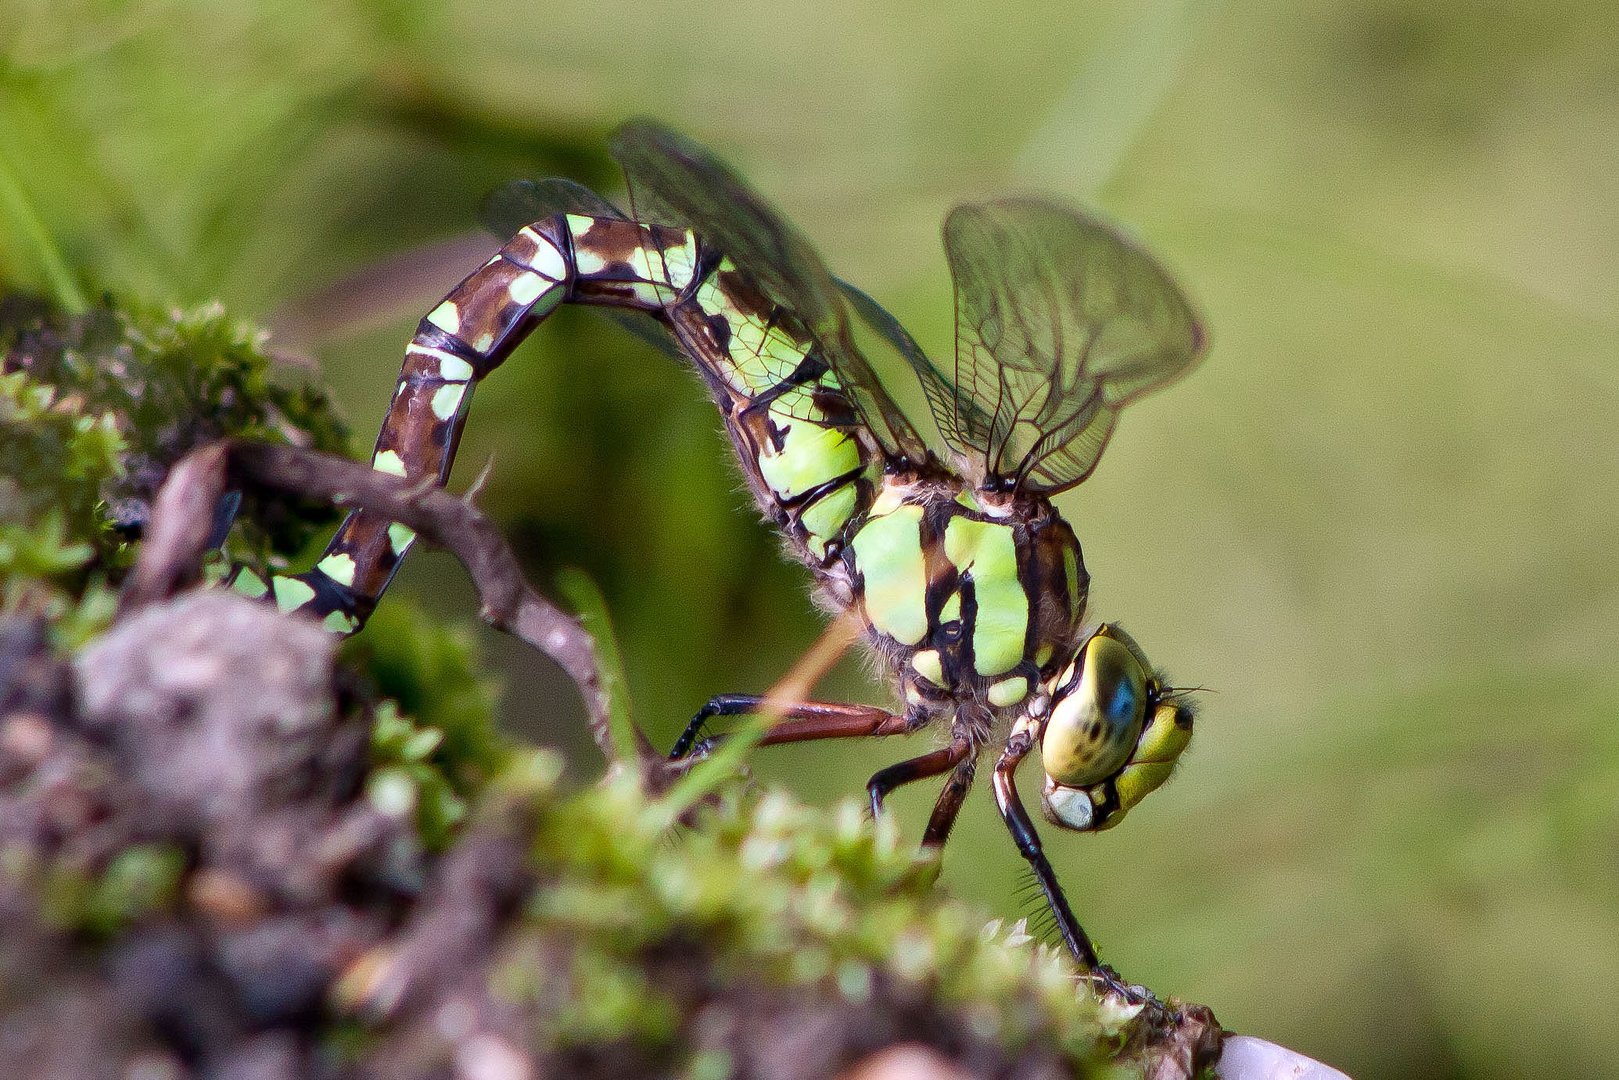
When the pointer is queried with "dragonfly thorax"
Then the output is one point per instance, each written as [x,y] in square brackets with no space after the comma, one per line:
[967,599]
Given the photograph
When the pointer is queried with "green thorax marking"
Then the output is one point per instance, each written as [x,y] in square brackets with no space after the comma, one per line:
[986,552]
[916,540]
[888,554]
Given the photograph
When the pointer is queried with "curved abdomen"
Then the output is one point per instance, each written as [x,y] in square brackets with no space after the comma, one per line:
[810,464]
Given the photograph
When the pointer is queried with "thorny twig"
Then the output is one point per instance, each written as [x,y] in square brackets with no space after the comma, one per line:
[183,518]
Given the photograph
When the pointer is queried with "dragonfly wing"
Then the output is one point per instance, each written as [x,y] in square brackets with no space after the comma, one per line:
[935,384]
[1060,323]
[675,181]
[523,202]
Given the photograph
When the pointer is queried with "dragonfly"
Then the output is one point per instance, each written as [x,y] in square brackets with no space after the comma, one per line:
[967,581]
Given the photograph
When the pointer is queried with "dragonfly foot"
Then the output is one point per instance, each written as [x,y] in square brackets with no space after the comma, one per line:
[1107,983]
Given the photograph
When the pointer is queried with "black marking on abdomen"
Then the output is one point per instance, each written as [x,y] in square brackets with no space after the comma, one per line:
[432,336]
[805,499]
[333,596]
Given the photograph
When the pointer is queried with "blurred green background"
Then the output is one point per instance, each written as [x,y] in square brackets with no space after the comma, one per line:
[1379,521]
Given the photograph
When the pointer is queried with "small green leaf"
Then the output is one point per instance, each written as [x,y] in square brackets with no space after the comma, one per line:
[587,601]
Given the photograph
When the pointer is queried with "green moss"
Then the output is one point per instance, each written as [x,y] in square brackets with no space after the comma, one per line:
[762,891]
[432,670]
[608,999]
[709,1065]
[409,777]
[435,743]
[60,454]
[137,881]
[94,409]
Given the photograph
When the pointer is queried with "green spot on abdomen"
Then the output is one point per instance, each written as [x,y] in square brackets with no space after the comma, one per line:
[888,554]
[291,594]
[810,455]
[680,260]
[988,552]
[447,399]
[400,537]
[447,317]
[339,567]
[827,516]
[250,584]
[339,623]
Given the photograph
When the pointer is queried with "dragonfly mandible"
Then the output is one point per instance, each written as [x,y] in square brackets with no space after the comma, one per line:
[970,585]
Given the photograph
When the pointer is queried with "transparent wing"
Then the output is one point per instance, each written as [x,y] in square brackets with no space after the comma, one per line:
[1060,323]
[522,202]
[674,181]
[937,386]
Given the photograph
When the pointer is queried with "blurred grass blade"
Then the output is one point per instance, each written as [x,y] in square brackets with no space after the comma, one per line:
[1126,77]
[587,601]
[17,207]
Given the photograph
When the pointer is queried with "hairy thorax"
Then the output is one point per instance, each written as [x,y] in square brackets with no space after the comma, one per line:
[969,597]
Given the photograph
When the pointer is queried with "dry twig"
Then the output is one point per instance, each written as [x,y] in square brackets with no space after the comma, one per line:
[183,516]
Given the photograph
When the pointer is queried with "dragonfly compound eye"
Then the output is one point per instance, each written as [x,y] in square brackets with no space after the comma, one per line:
[1094,727]
[1098,789]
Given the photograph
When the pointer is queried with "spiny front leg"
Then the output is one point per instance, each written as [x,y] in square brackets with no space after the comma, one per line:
[943,818]
[1018,745]
[918,768]
[800,721]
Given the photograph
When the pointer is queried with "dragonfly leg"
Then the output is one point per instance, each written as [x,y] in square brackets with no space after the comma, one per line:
[801,721]
[1017,821]
[943,818]
[917,768]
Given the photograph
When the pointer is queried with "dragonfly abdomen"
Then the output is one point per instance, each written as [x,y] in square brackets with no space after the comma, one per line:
[466,336]
[793,425]
[796,432]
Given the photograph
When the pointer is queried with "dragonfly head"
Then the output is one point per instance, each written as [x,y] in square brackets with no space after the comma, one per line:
[1111,734]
